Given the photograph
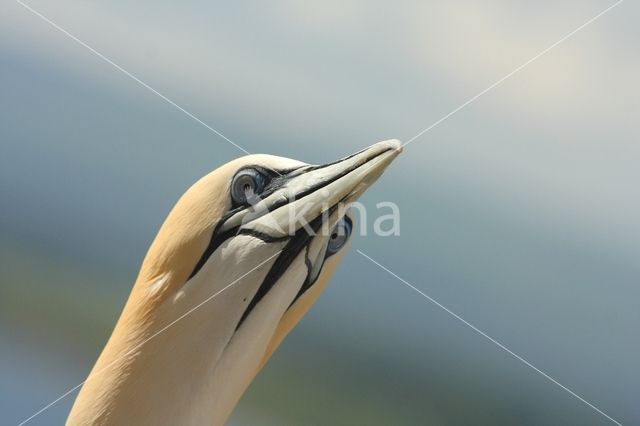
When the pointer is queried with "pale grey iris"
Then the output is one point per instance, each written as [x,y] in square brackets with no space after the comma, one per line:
[339,236]
[246,185]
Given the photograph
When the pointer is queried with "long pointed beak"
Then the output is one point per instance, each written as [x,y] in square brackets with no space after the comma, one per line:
[308,192]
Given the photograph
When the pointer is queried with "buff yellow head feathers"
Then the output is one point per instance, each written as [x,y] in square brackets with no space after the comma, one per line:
[239,260]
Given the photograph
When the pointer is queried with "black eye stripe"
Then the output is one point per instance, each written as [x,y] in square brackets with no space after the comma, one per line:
[291,250]
[216,240]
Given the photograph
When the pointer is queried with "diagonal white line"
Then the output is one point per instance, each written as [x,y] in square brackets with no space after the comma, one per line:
[133,77]
[491,339]
[127,73]
[513,72]
[154,335]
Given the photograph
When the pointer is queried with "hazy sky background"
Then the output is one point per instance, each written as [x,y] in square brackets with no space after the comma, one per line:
[520,212]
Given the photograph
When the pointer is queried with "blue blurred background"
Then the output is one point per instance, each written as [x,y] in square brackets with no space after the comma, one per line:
[521,212]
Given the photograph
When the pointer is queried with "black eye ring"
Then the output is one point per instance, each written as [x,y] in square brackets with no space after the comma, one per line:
[339,235]
[246,185]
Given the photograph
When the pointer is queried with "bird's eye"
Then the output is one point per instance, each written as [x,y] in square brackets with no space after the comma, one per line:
[339,236]
[247,184]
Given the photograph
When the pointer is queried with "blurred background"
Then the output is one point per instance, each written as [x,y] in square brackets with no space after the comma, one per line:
[521,212]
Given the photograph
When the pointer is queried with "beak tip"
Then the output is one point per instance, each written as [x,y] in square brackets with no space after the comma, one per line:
[395,145]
